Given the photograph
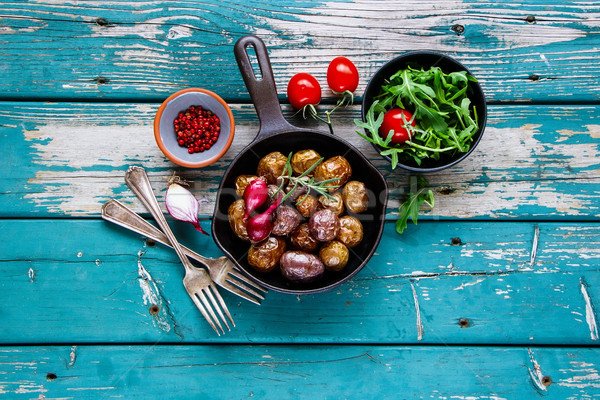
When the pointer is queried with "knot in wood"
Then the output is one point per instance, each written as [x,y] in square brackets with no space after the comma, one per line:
[458,29]
[530,19]
[546,381]
[446,190]
[101,80]
[50,376]
[455,241]
[101,21]
[463,323]
[154,309]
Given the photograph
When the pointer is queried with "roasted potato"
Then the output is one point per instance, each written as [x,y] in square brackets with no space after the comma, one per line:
[351,231]
[271,166]
[265,256]
[307,205]
[287,218]
[334,255]
[355,197]
[241,182]
[303,160]
[301,239]
[334,168]
[324,225]
[236,212]
[335,204]
[301,267]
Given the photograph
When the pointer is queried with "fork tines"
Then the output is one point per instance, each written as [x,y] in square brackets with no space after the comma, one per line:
[243,287]
[201,299]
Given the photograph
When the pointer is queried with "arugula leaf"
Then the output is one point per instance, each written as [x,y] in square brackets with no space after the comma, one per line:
[445,119]
[410,208]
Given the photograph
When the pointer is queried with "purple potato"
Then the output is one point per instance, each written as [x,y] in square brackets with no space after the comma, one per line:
[301,267]
[324,225]
[286,220]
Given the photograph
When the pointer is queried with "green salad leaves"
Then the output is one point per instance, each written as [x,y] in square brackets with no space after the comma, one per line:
[445,120]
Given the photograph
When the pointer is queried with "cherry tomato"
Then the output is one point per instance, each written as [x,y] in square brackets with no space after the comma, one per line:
[342,75]
[303,89]
[395,119]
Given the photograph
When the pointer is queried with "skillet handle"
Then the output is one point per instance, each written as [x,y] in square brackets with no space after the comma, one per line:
[262,91]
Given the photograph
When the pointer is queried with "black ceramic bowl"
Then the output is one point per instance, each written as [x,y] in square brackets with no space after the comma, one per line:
[426,60]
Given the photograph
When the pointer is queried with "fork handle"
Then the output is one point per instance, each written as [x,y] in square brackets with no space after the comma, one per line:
[119,214]
[137,180]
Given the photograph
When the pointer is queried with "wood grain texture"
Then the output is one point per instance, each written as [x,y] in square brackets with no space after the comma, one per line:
[67,159]
[525,51]
[88,281]
[493,296]
[291,372]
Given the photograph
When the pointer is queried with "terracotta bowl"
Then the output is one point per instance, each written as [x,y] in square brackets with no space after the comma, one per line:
[164,131]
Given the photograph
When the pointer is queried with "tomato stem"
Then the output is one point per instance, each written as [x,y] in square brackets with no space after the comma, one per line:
[313,113]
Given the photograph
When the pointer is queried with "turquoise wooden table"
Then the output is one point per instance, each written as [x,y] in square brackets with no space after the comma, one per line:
[493,295]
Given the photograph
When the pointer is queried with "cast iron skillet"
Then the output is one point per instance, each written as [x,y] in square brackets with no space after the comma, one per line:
[276,134]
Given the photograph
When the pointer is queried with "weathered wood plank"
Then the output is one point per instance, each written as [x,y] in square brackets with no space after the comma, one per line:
[534,162]
[283,372]
[525,51]
[86,281]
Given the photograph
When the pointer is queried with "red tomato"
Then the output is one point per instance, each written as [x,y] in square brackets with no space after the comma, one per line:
[303,89]
[342,75]
[395,119]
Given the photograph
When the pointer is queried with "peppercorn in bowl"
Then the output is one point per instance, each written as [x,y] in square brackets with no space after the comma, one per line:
[194,127]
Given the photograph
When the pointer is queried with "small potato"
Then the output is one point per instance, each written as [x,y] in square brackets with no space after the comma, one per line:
[336,204]
[286,220]
[301,267]
[355,197]
[307,205]
[334,255]
[301,239]
[303,160]
[241,182]
[236,212]
[351,231]
[271,166]
[265,256]
[324,225]
[332,168]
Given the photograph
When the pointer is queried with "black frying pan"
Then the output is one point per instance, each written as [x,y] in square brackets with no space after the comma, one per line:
[276,134]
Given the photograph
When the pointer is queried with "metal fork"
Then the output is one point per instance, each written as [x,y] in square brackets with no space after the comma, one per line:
[196,281]
[222,270]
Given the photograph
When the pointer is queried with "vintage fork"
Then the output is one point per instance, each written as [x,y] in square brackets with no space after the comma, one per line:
[196,281]
[222,271]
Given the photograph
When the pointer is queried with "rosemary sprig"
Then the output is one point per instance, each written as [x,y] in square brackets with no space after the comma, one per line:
[303,179]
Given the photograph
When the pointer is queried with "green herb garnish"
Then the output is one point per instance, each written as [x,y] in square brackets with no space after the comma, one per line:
[320,187]
[410,208]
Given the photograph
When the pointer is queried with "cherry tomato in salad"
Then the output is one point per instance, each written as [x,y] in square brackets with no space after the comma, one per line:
[303,89]
[396,120]
[342,75]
